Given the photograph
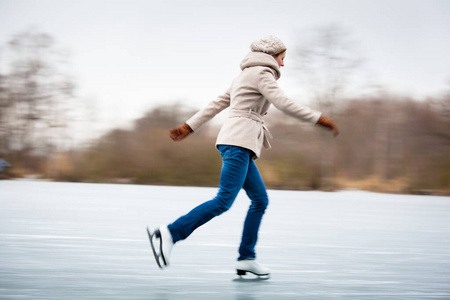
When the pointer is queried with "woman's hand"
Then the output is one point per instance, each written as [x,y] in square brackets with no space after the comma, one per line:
[329,123]
[180,132]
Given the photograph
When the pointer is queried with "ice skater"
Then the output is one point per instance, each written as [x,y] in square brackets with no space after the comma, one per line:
[240,141]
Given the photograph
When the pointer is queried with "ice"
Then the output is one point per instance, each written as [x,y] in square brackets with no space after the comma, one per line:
[89,241]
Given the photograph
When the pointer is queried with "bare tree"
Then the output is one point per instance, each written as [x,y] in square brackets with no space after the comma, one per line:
[326,61]
[3,109]
[34,95]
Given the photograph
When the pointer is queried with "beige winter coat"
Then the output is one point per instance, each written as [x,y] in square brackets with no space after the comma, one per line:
[249,97]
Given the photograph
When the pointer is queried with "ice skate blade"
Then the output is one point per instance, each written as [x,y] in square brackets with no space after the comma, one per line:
[251,279]
[160,261]
[259,277]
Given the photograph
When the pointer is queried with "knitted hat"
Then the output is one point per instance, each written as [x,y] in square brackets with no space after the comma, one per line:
[270,45]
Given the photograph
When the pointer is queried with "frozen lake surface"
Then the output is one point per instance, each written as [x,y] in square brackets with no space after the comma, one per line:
[89,241]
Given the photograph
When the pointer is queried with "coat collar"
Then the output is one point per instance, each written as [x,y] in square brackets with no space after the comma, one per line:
[254,59]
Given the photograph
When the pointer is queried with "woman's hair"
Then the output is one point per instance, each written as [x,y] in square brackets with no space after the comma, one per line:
[276,55]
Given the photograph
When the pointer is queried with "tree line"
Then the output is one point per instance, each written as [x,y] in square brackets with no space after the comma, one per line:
[389,145]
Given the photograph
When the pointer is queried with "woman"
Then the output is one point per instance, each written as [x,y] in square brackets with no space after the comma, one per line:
[240,141]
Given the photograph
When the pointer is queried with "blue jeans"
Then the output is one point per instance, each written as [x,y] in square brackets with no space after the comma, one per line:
[238,171]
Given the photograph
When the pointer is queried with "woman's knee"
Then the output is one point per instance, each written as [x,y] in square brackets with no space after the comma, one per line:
[224,203]
[260,203]
[264,202]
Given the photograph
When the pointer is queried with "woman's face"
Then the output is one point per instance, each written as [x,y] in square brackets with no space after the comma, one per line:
[280,59]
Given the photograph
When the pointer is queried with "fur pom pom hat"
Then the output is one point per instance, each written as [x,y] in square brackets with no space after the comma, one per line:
[270,45]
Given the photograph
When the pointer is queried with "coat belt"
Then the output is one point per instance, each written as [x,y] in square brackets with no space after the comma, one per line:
[253,115]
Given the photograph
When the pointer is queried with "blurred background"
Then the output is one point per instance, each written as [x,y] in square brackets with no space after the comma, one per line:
[89,89]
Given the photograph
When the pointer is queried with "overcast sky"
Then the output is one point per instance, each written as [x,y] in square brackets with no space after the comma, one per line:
[130,55]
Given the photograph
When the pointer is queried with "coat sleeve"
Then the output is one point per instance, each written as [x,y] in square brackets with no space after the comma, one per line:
[268,87]
[209,111]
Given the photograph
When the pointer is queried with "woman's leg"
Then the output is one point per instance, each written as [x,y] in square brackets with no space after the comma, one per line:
[234,172]
[256,191]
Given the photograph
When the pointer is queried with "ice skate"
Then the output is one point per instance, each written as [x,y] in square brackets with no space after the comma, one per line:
[251,266]
[162,243]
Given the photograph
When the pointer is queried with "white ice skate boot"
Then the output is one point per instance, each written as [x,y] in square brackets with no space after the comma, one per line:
[244,266]
[162,243]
